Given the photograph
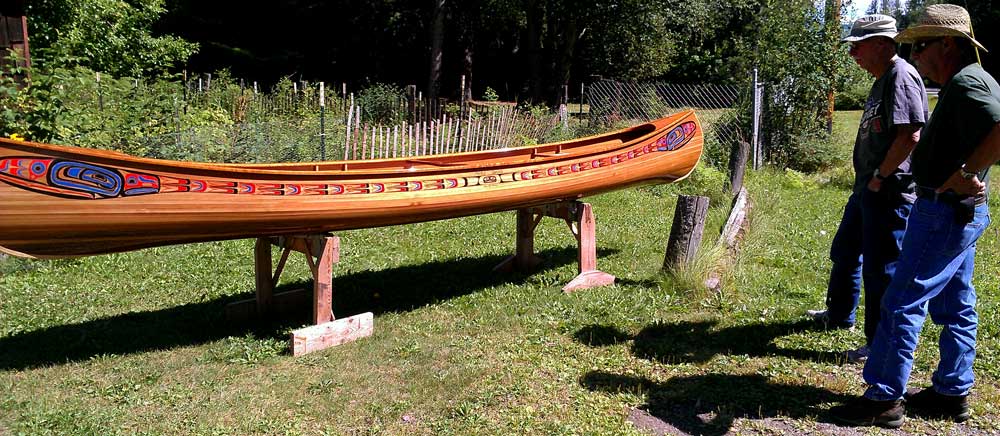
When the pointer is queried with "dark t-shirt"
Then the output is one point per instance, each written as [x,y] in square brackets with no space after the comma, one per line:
[968,107]
[897,97]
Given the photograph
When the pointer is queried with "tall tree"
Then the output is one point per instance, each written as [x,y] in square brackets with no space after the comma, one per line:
[115,36]
[437,42]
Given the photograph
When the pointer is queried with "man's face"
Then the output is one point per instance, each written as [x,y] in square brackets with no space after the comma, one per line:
[867,53]
[926,55]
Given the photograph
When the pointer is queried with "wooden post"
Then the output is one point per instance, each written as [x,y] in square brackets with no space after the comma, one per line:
[686,232]
[321,252]
[265,282]
[737,165]
[580,219]
[736,223]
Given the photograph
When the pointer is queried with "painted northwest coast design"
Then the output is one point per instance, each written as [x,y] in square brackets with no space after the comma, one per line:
[78,180]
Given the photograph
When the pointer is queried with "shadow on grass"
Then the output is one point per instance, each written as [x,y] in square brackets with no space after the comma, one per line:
[392,290]
[709,404]
[700,341]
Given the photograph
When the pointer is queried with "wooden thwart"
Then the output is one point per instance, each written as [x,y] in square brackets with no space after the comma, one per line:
[321,252]
[579,217]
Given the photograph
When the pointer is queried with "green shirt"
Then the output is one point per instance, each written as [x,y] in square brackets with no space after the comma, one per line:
[968,108]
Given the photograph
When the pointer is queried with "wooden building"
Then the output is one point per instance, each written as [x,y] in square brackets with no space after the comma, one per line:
[14,35]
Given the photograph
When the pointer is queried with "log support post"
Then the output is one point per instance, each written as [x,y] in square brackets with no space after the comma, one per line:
[580,219]
[687,230]
[321,252]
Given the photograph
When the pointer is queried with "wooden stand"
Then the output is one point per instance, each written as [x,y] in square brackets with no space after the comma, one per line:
[580,218]
[321,251]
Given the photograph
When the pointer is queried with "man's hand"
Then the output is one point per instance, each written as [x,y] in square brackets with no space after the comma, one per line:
[963,186]
[875,184]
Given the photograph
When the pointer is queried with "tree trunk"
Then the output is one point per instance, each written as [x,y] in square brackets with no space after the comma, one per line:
[536,18]
[833,32]
[437,42]
[568,36]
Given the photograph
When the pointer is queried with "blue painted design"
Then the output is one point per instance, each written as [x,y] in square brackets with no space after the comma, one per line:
[82,177]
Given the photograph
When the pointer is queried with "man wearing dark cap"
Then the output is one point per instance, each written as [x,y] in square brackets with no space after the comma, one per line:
[868,239]
[934,274]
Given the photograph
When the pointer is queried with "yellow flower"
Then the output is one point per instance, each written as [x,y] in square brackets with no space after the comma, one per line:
[16,137]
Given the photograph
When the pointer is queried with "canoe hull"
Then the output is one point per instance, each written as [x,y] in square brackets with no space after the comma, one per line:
[64,201]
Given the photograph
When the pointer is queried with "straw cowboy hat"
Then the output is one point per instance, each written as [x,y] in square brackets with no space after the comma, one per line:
[941,20]
[871,25]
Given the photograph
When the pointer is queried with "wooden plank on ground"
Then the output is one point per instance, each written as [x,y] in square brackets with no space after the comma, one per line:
[333,333]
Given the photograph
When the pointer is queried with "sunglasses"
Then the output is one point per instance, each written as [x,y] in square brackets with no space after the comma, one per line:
[920,46]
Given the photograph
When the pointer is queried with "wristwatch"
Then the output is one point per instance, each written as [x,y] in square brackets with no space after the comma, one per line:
[965,174]
[879,175]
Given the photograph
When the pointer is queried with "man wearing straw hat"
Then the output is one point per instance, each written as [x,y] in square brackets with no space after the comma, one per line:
[868,238]
[934,273]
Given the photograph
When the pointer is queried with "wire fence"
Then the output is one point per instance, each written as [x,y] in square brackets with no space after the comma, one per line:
[230,121]
[725,111]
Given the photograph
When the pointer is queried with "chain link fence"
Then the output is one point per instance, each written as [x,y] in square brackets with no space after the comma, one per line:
[225,121]
[725,111]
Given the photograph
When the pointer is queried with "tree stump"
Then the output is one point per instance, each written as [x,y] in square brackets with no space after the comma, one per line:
[737,165]
[686,232]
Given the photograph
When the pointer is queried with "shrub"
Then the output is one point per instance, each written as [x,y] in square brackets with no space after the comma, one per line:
[382,103]
[809,152]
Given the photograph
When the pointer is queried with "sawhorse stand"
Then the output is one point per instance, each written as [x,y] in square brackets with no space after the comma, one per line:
[321,252]
[580,219]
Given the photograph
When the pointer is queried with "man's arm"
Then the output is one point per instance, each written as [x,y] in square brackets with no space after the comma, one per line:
[907,136]
[986,154]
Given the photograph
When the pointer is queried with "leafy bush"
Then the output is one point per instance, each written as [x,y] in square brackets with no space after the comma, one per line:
[808,152]
[382,103]
[852,91]
[114,36]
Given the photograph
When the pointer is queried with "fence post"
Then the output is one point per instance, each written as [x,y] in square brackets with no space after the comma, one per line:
[100,96]
[757,110]
[461,100]
[581,99]
[322,122]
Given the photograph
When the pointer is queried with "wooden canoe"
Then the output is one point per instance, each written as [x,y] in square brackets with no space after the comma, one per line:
[58,201]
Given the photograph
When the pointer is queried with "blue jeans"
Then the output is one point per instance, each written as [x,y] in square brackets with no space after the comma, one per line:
[867,245]
[934,273]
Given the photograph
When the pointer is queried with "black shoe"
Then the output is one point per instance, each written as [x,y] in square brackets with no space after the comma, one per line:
[862,411]
[931,404]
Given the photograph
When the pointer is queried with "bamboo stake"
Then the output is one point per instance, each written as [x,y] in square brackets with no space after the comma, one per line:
[503,126]
[454,135]
[357,126]
[431,145]
[418,150]
[347,132]
[364,143]
[445,133]
[438,148]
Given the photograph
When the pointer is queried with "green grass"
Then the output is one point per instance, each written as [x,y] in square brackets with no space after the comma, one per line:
[137,342]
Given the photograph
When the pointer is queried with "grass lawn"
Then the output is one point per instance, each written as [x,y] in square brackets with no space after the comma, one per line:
[136,343]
